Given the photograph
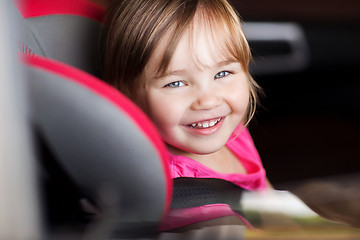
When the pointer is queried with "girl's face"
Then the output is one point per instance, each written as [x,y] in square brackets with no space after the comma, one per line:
[200,100]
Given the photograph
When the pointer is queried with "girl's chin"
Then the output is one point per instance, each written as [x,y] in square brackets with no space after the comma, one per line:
[193,151]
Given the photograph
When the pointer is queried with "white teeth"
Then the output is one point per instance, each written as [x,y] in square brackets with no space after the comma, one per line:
[212,123]
[205,124]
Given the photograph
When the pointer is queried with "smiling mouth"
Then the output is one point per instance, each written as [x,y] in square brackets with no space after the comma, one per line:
[205,124]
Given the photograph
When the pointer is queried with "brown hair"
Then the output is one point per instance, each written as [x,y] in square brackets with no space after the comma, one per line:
[135,28]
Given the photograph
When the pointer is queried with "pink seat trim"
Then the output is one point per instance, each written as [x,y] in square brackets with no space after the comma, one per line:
[37,8]
[181,217]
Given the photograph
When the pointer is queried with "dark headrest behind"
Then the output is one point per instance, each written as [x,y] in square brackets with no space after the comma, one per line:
[68,31]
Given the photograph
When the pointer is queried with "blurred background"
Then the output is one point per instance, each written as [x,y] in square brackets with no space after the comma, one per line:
[308,123]
[306,58]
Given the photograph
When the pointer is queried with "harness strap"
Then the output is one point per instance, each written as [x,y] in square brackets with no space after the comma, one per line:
[193,192]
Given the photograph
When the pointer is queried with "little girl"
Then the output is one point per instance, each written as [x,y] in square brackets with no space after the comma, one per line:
[185,64]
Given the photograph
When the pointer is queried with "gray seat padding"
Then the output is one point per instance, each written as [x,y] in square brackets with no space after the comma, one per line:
[103,149]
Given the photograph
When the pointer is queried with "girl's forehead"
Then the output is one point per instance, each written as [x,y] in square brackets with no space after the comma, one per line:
[206,42]
[194,49]
[206,38]
[203,48]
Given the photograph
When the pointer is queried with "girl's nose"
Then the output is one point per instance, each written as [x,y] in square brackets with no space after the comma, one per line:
[206,99]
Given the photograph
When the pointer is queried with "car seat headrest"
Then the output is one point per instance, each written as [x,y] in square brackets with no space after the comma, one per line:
[108,148]
[68,31]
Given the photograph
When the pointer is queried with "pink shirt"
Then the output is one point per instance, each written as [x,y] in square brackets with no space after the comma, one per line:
[243,147]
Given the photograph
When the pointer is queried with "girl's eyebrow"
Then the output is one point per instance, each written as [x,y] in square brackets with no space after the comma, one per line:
[166,74]
[222,64]
[226,62]
[183,71]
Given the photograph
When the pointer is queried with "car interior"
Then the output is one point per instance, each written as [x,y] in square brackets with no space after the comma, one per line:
[72,148]
[70,119]
[306,58]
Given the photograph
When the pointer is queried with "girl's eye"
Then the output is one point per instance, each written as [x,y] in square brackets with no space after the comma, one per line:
[175,84]
[221,74]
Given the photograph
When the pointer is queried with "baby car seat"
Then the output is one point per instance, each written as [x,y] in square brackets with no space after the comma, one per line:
[102,164]
[97,149]
[95,146]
